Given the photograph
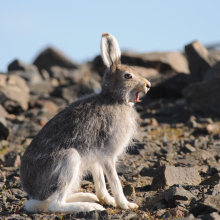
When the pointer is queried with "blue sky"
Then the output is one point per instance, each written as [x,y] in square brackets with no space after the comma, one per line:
[75,27]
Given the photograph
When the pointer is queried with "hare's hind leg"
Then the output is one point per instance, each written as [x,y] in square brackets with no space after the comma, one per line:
[100,185]
[34,205]
[82,197]
[68,177]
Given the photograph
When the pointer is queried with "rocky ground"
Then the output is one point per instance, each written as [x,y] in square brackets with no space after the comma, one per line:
[173,171]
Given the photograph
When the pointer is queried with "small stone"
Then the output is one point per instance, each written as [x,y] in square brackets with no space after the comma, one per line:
[178,212]
[147,171]
[212,128]
[12,159]
[188,148]
[129,190]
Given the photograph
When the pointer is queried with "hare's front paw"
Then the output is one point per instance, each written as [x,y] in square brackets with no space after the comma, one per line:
[109,200]
[127,205]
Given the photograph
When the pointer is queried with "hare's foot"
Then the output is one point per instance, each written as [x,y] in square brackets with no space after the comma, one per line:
[108,200]
[74,207]
[127,205]
[82,197]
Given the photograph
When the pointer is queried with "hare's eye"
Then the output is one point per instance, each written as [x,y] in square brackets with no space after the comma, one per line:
[128,76]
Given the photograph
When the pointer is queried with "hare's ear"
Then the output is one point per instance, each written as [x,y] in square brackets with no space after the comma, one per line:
[111,53]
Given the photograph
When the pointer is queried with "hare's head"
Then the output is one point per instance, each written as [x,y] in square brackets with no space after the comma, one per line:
[120,82]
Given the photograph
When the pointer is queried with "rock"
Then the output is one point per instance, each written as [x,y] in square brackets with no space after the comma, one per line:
[19,65]
[192,122]
[4,130]
[166,215]
[153,199]
[211,216]
[213,201]
[189,217]
[212,128]
[160,61]
[202,96]
[198,58]
[96,215]
[132,217]
[14,93]
[147,73]
[22,130]
[171,86]
[177,193]
[170,175]
[212,72]
[49,105]
[188,148]
[201,209]
[12,159]
[51,57]
[129,190]
[147,171]
[3,112]
[28,72]
[71,93]
[178,212]
[80,75]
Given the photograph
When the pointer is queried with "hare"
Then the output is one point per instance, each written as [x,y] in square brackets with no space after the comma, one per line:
[86,136]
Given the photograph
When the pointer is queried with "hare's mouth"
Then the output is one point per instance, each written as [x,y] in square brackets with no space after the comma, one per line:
[137,97]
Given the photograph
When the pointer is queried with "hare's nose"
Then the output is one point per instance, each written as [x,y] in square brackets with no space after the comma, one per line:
[148,85]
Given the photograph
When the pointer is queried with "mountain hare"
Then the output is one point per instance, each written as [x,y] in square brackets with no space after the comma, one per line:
[86,136]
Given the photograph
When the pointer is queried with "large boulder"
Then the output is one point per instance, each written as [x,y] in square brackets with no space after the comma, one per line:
[199,58]
[161,61]
[172,86]
[71,93]
[14,93]
[51,57]
[212,72]
[204,96]
[28,72]
[80,75]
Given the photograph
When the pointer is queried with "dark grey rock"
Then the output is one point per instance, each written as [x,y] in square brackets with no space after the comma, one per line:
[202,96]
[51,57]
[212,72]
[4,130]
[212,180]
[166,215]
[12,159]
[71,93]
[20,65]
[147,171]
[177,193]
[211,216]
[197,56]
[96,215]
[129,190]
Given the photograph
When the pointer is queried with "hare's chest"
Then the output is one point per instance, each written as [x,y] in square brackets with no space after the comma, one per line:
[125,133]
